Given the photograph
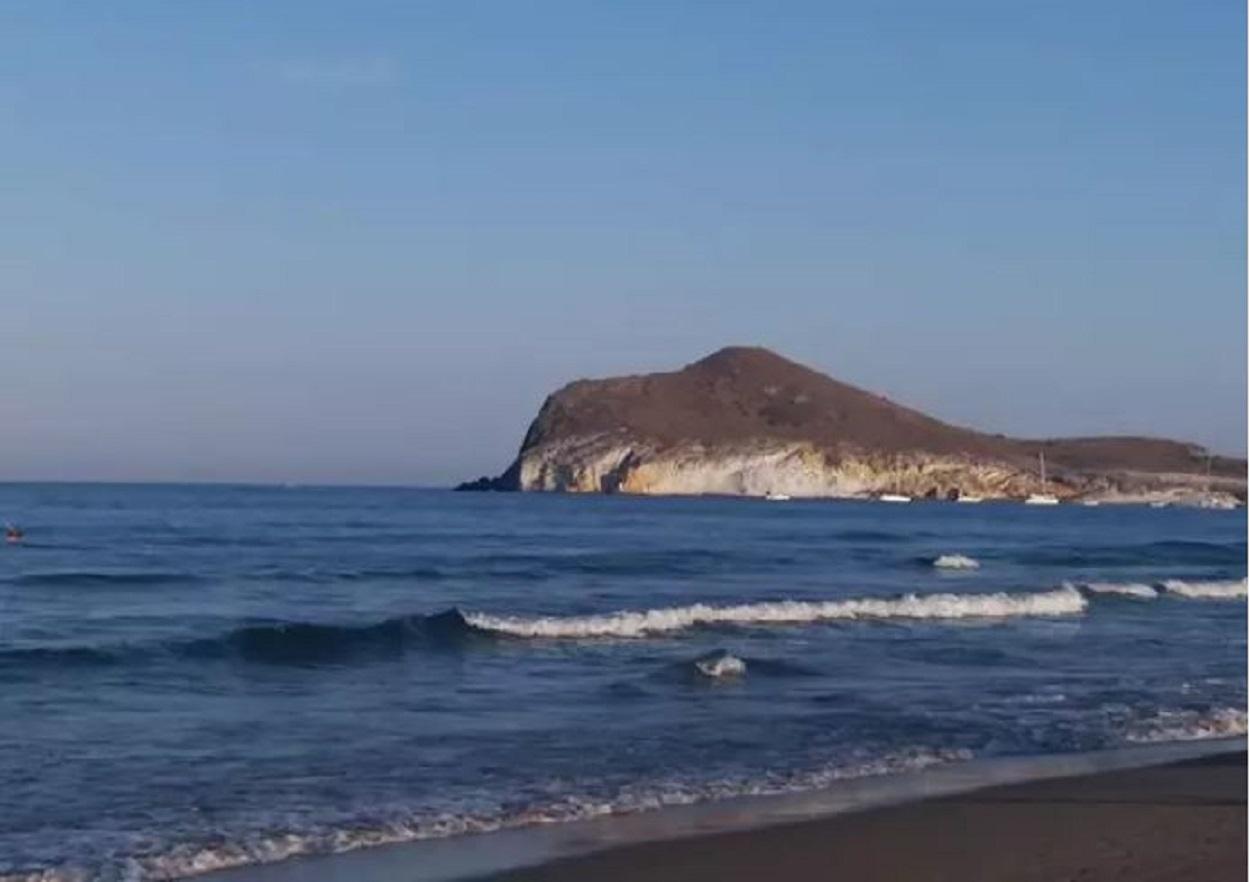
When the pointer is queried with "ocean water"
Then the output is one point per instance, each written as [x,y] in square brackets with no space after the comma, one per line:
[203,677]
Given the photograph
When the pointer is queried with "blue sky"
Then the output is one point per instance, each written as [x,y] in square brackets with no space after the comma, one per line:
[302,241]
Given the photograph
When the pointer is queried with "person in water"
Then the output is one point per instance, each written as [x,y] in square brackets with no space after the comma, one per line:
[13,533]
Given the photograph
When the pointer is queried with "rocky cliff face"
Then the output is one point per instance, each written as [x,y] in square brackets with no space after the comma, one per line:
[610,465]
[748,422]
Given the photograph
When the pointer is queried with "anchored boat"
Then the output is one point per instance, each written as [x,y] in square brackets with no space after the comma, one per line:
[1042,498]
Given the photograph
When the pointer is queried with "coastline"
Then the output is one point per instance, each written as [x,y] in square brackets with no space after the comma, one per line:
[1169,823]
[1092,809]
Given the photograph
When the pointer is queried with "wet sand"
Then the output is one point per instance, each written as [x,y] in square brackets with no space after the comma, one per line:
[1180,822]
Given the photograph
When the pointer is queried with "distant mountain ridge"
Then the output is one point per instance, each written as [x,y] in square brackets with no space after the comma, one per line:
[745,420]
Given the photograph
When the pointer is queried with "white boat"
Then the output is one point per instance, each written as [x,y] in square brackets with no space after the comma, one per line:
[1042,498]
[1090,503]
[776,497]
[1221,503]
[1209,499]
[968,499]
[893,497]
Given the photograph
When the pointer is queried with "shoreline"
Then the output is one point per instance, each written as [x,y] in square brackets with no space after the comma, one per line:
[1167,823]
[695,841]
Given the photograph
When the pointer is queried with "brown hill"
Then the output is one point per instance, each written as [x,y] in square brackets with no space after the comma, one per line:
[747,395]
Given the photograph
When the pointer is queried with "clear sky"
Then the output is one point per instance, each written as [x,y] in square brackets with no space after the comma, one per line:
[310,241]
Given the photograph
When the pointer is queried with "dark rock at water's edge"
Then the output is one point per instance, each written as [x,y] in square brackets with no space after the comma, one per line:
[745,421]
[483,484]
[506,482]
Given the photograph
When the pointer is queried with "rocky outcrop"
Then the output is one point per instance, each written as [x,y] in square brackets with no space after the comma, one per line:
[748,422]
[606,465]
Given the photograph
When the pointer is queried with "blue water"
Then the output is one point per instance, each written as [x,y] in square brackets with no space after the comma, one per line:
[204,676]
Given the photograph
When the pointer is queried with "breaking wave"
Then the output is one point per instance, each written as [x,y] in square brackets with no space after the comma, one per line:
[1228,589]
[311,643]
[1215,590]
[956,562]
[720,665]
[629,623]
[1189,725]
[272,643]
[195,858]
[1123,589]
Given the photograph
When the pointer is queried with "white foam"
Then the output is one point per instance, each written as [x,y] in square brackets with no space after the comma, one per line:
[721,665]
[628,623]
[193,859]
[1222,590]
[956,562]
[1124,589]
[60,874]
[1221,722]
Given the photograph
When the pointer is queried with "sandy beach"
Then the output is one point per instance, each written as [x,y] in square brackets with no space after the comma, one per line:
[1173,823]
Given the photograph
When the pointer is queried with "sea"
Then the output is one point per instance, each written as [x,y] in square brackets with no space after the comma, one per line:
[202,677]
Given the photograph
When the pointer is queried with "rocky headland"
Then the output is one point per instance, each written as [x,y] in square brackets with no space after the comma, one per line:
[745,421]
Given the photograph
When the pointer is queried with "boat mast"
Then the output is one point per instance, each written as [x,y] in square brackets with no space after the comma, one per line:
[1041,460]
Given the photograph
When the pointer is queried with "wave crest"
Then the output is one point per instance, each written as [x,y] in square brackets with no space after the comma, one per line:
[1190,725]
[1217,590]
[956,562]
[1213,590]
[1122,589]
[630,623]
[720,665]
[271,643]
[106,578]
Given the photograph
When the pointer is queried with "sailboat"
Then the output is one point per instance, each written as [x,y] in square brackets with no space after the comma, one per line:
[1209,499]
[1042,498]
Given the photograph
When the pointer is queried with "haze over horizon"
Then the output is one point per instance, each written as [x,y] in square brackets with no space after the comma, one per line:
[272,244]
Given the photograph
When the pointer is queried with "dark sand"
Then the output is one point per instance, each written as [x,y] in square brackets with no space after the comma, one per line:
[1184,822]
